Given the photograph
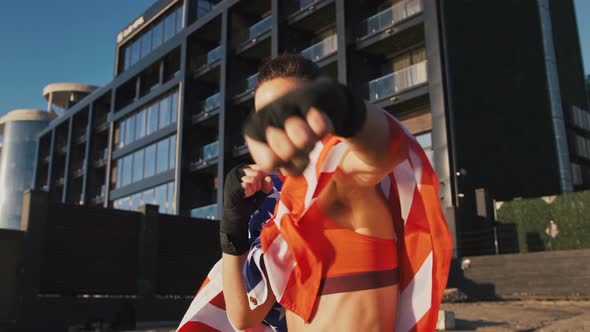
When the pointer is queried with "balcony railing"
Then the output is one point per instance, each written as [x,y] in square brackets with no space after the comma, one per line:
[212,102]
[206,212]
[397,81]
[209,151]
[259,28]
[389,17]
[256,30]
[214,55]
[251,82]
[322,49]
[295,6]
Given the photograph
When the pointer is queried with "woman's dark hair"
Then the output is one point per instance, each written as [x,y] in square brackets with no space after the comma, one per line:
[287,65]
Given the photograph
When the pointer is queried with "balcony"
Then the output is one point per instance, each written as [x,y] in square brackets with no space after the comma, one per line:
[397,82]
[102,123]
[101,161]
[255,32]
[322,49]
[99,198]
[78,172]
[240,150]
[80,136]
[209,107]
[389,17]
[206,62]
[62,148]
[309,15]
[60,181]
[207,156]
[248,89]
[206,212]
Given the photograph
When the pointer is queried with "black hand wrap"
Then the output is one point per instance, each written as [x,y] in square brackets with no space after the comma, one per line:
[346,112]
[233,230]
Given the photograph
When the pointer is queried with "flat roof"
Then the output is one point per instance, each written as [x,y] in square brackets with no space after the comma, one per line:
[62,92]
[26,115]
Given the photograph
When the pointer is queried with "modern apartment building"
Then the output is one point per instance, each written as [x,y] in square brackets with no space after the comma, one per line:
[495,99]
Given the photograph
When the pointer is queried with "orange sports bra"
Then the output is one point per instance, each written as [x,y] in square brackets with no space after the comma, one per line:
[351,261]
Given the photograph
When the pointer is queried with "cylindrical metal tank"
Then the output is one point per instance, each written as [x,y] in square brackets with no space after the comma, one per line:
[19,129]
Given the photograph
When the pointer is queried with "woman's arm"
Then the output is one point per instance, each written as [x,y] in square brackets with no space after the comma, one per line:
[236,295]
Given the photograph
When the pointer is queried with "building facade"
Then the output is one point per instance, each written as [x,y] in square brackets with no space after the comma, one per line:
[19,130]
[495,103]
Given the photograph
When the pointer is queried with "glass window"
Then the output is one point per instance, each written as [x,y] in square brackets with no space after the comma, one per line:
[148,196]
[164,112]
[127,168]
[170,198]
[140,124]
[121,136]
[150,161]
[135,52]
[179,19]
[169,27]
[162,156]
[119,172]
[174,107]
[172,153]
[129,131]
[401,62]
[152,118]
[161,197]
[134,202]
[418,55]
[138,166]
[146,43]
[127,60]
[157,36]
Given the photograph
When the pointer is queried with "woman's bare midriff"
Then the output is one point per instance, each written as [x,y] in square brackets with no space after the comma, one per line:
[362,210]
[365,310]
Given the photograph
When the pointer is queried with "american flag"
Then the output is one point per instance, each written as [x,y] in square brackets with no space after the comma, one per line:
[423,240]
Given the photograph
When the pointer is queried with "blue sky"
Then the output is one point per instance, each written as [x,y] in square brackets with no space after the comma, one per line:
[74,41]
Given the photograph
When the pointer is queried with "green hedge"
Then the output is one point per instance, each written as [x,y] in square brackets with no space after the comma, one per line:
[571,213]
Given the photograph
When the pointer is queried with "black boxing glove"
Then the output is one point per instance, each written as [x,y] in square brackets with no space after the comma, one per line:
[347,113]
[233,229]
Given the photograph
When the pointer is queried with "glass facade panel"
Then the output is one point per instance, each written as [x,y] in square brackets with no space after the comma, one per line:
[171,203]
[152,119]
[150,161]
[121,134]
[119,172]
[17,158]
[129,132]
[135,52]
[178,19]
[161,197]
[148,197]
[172,153]
[169,27]
[127,169]
[127,57]
[138,166]
[157,35]
[174,107]
[164,112]
[162,156]
[140,124]
[146,43]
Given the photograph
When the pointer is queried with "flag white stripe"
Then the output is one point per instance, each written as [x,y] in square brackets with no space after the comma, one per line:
[416,299]
[279,265]
[205,295]
[214,317]
[406,185]
[310,173]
